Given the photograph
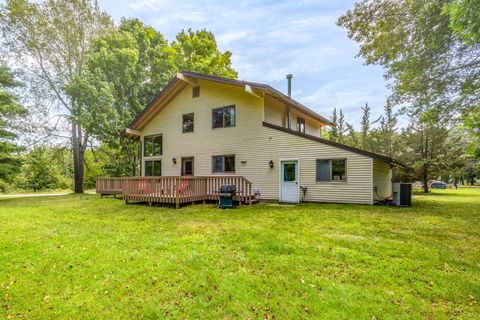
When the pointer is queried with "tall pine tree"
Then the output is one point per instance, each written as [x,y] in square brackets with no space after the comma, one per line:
[9,110]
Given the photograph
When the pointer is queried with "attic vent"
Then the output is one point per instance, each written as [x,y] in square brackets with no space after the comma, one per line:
[196,92]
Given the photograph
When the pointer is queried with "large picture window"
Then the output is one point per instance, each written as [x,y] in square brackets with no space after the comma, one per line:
[223,163]
[187,122]
[331,170]
[152,146]
[223,117]
[153,168]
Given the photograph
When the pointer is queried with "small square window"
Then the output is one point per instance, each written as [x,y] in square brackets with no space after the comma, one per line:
[196,92]
[153,168]
[187,122]
[223,163]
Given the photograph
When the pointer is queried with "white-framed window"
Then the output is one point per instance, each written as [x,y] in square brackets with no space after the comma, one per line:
[223,163]
[153,168]
[331,170]
[152,146]
[223,117]
[187,122]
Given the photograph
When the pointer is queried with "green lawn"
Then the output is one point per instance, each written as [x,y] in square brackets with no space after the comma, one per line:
[70,257]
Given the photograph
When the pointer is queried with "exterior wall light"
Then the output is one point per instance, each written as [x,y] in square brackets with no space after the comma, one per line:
[174,160]
[271,163]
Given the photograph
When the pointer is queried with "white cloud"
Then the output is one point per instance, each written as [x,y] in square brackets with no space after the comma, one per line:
[269,39]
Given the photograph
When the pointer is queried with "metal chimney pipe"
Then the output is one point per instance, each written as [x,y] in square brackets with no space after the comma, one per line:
[289,108]
[289,78]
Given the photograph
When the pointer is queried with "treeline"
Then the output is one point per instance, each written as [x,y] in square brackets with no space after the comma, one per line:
[83,79]
[430,51]
[428,148]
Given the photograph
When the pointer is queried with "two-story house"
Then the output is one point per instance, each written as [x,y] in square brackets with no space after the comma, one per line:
[202,125]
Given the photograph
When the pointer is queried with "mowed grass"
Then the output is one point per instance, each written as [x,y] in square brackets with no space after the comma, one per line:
[82,257]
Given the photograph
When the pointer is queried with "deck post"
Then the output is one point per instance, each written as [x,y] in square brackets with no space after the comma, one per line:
[177,193]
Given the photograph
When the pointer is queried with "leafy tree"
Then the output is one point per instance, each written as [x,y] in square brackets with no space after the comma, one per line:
[40,171]
[9,110]
[465,19]
[124,70]
[430,49]
[198,51]
[429,148]
[51,39]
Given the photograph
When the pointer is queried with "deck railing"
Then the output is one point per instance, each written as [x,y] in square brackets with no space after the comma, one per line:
[173,190]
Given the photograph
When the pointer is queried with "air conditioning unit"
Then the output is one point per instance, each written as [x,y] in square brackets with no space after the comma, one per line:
[402,194]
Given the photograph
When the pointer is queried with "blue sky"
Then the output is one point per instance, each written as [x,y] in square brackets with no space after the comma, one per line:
[270,39]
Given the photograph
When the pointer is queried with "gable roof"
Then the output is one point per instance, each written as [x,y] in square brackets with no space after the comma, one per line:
[180,81]
[372,155]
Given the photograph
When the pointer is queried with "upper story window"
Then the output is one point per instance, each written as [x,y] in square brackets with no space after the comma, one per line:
[223,163]
[301,125]
[196,92]
[187,122]
[331,170]
[152,146]
[223,117]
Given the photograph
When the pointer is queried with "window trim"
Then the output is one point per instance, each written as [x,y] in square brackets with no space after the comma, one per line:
[331,173]
[223,118]
[183,122]
[223,164]
[153,146]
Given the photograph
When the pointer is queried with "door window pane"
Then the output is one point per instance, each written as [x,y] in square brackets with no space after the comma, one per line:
[187,167]
[289,171]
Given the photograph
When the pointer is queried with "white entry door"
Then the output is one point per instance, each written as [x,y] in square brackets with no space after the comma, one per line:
[289,191]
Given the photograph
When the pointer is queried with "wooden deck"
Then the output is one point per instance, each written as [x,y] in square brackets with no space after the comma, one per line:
[173,190]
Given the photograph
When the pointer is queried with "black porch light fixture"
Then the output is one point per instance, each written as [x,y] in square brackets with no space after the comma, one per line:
[174,160]
[271,163]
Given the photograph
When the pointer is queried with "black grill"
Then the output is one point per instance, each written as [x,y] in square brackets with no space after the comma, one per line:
[227,192]
[228,188]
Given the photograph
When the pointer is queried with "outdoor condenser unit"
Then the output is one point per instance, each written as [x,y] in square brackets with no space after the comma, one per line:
[402,194]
